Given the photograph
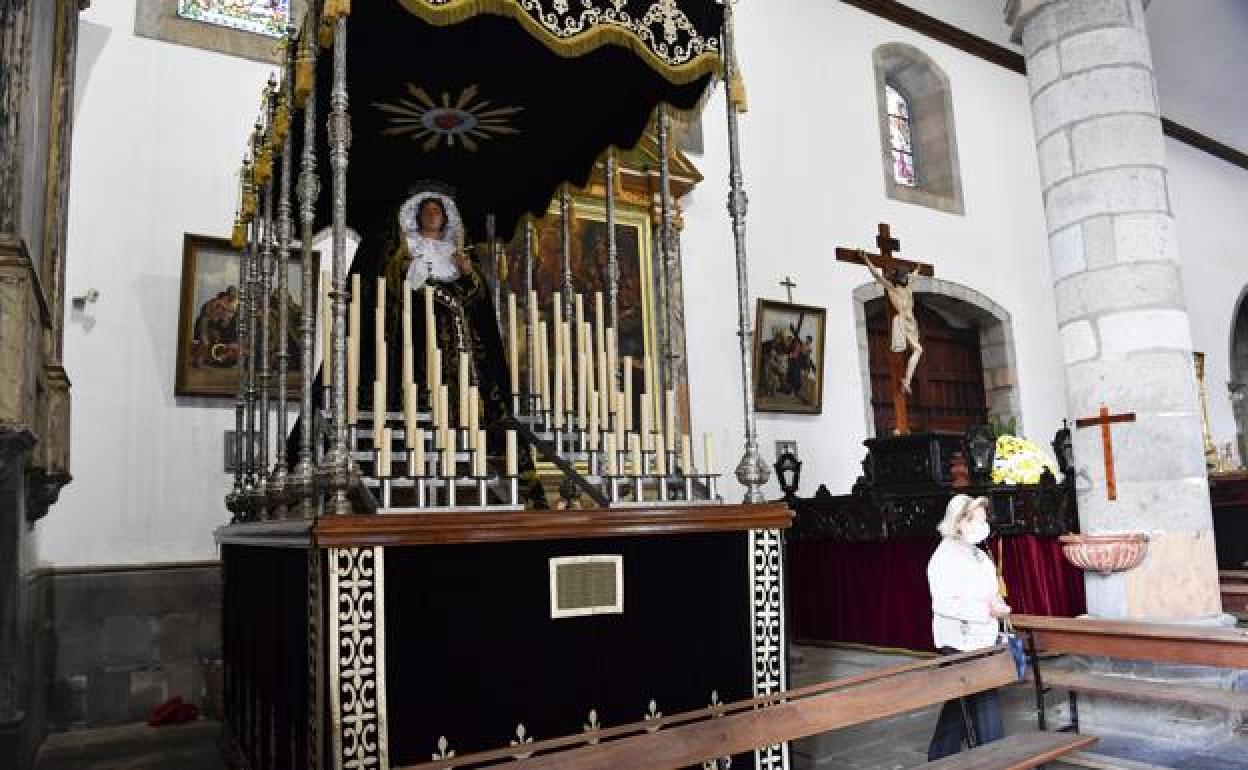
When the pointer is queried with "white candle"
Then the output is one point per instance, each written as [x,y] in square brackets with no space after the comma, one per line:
[481,453]
[647,435]
[686,454]
[628,394]
[379,411]
[593,422]
[431,338]
[379,334]
[513,343]
[619,420]
[408,371]
[543,349]
[444,405]
[660,455]
[417,442]
[558,408]
[513,465]
[634,442]
[473,398]
[671,419]
[613,468]
[463,389]
[383,460]
[582,394]
[569,363]
[409,414]
[578,303]
[708,453]
[353,353]
[534,380]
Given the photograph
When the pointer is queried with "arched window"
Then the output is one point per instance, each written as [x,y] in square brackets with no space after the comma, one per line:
[900,138]
[919,148]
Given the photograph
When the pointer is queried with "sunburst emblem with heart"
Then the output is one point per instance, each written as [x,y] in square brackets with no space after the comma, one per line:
[464,121]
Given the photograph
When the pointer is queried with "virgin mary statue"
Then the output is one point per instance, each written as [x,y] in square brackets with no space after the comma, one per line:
[424,246]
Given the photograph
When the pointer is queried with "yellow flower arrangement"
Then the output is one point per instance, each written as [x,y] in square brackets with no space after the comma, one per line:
[1019,461]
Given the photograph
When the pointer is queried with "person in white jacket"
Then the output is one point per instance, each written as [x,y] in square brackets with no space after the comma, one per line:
[966,613]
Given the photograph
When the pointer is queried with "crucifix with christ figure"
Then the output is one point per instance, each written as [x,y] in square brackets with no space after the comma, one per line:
[893,274]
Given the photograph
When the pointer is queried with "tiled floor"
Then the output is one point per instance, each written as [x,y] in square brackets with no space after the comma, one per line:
[892,744]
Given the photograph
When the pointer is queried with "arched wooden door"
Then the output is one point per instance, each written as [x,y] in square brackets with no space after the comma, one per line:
[949,384]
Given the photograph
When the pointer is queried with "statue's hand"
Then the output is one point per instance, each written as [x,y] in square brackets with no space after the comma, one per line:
[463,262]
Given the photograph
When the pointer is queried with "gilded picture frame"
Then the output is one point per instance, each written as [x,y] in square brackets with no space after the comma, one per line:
[788,357]
[208,348]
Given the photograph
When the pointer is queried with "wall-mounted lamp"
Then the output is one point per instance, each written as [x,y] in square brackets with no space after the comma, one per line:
[80,302]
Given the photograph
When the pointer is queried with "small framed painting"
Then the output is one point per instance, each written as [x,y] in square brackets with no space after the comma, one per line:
[788,357]
[209,349]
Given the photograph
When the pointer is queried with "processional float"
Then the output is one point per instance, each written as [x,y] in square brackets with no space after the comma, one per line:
[406,447]
[572,397]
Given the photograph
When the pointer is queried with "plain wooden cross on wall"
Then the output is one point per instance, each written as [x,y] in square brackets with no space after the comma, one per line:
[1104,419]
[887,263]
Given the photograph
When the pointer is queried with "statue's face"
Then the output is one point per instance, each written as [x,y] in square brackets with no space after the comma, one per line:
[432,218]
[902,277]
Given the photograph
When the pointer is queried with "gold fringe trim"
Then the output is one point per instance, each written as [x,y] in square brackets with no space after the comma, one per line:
[330,13]
[304,77]
[281,123]
[264,167]
[736,92]
[458,11]
[238,235]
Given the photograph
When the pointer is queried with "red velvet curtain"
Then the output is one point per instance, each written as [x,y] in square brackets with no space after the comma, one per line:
[876,593]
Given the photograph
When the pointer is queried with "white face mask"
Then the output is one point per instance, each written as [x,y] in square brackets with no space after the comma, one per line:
[976,532]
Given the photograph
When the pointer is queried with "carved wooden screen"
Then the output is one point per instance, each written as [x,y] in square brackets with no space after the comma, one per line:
[949,384]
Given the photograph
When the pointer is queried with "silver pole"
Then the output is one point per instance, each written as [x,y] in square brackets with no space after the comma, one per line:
[613,254]
[280,478]
[664,316]
[266,308]
[751,471]
[341,465]
[493,266]
[565,223]
[528,297]
[233,500]
[304,478]
[252,278]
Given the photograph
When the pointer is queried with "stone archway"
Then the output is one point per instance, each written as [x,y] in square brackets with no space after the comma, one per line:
[1239,372]
[954,301]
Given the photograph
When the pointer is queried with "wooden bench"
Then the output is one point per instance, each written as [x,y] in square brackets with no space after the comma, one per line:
[1017,752]
[1131,640]
[692,738]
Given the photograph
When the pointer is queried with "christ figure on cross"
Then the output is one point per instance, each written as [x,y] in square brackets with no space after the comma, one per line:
[905,331]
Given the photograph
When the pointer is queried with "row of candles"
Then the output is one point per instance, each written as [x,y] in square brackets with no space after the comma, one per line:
[599,385]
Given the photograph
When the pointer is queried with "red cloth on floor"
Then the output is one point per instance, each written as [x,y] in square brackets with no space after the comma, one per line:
[876,593]
[174,711]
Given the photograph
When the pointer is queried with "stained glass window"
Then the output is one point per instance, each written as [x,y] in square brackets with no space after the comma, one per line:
[900,137]
[263,17]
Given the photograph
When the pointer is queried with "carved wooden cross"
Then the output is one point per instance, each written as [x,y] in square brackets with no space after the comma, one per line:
[1105,419]
[789,286]
[887,263]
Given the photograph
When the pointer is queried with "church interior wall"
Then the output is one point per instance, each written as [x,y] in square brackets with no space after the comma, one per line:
[161,128]
[1209,197]
[810,145]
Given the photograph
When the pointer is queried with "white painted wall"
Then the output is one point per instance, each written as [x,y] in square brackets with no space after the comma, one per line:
[810,146]
[1209,197]
[159,129]
[159,134]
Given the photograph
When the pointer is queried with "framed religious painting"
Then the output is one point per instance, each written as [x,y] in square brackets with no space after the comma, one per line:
[209,349]
[634,300]
[788,357]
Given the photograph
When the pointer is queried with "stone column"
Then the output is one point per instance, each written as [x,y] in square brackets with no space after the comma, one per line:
[1120,310]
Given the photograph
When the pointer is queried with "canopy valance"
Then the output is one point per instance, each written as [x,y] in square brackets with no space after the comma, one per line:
[504,100]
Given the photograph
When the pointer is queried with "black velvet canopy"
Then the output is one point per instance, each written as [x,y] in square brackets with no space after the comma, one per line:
[504,103]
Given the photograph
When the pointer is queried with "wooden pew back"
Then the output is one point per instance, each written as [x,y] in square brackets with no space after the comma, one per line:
[690,739]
